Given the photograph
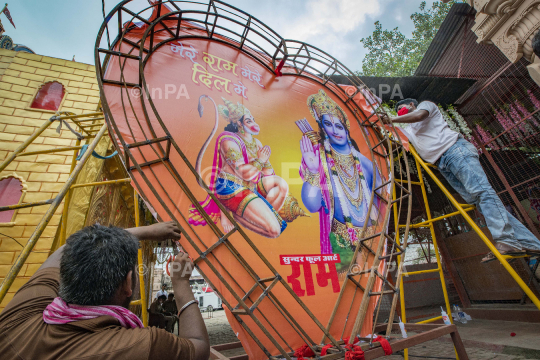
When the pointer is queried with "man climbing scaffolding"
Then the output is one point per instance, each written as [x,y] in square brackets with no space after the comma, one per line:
[458,161]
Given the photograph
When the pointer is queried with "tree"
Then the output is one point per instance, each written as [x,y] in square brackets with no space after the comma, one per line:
[393,54]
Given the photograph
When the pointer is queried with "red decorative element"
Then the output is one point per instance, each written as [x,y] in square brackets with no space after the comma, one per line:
[167,266]
[354,352]
[346,340]
[325,348]
[513,334]
[322,275]
[384,344]
[49,96]
[10,194]
[279,67]
[403,111]
[303,351]
[8,15]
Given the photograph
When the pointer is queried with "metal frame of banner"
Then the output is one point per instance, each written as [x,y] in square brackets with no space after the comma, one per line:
[300,59]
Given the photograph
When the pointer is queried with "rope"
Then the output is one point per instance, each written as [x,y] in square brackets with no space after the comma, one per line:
[384,344]
[354,352]
[325,348]
[303,351]
[62,121]
[94,154]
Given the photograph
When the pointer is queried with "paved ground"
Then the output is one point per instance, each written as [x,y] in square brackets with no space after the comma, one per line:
[484,340]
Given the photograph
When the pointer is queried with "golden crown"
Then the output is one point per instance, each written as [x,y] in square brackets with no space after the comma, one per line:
[232,113]
[320,104]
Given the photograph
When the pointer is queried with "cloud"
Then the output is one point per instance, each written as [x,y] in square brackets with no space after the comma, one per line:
[325,23]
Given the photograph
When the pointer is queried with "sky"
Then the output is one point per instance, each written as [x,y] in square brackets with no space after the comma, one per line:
[63,28]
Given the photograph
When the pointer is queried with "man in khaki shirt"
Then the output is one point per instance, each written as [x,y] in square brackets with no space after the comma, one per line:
[96,267]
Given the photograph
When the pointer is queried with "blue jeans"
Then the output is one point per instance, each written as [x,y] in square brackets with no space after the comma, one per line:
[461,167]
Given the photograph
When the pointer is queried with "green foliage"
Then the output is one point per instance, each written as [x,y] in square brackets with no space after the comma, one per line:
[393,54]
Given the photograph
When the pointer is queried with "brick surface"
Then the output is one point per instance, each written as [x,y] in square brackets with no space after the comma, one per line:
[34,57]
[59,168]
[32,166]
[6,258]
[51,159]
[54,61]
[22,89]
[38,64]
[44,177]
[62,69]
[21,75]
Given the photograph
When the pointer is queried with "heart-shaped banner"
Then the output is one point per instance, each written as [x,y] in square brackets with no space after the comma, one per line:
[270,178]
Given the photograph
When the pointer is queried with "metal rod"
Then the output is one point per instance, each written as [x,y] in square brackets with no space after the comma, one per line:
[27,142]
[427,222]
[23,256]
[480,233]
[63,228]
[143,302]
[119,181]
[421,272]
[69,148]
[433,237]
[432,319]
[25,205]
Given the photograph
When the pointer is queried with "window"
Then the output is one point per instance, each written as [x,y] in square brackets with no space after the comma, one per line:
[49,96]
[11,190]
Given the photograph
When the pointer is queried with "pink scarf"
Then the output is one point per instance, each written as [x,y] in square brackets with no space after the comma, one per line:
[59,312]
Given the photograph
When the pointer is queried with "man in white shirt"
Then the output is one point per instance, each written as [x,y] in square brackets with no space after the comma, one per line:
[163,291]
[458,161]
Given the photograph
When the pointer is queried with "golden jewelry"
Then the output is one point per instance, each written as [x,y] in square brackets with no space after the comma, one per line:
[231,112]
[252,147]
[345,162]
[312,179]
[257,163]
[342,235]
[232,156]
[320,104]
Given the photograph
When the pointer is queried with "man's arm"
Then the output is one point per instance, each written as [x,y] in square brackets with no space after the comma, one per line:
[413,117]
[159,231]
[191,324]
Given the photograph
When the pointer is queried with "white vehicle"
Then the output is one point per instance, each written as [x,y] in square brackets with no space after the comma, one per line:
[207,298]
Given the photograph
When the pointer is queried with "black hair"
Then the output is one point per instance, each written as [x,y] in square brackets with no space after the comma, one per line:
[536,44]
[233,127]
[162,297]
[171,295]
[407,102]
[95,262]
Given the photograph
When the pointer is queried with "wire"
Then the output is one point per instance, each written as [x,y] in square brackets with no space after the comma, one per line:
[12,239]
[21,244]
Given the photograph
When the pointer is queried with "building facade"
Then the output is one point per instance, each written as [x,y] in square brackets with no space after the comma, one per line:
[32,89]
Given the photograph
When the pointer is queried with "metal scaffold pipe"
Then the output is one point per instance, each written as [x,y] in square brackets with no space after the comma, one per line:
[23,256]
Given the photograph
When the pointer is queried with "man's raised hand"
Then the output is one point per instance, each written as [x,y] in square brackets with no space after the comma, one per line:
[157,232]
[181,268]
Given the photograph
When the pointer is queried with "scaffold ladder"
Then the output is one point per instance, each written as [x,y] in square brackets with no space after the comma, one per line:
[462,209]
[90,126]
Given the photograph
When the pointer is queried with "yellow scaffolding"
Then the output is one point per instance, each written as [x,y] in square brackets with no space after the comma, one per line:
[462,209]
[96,130]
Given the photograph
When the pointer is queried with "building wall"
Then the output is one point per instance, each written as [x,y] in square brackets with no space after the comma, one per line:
[21,74]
